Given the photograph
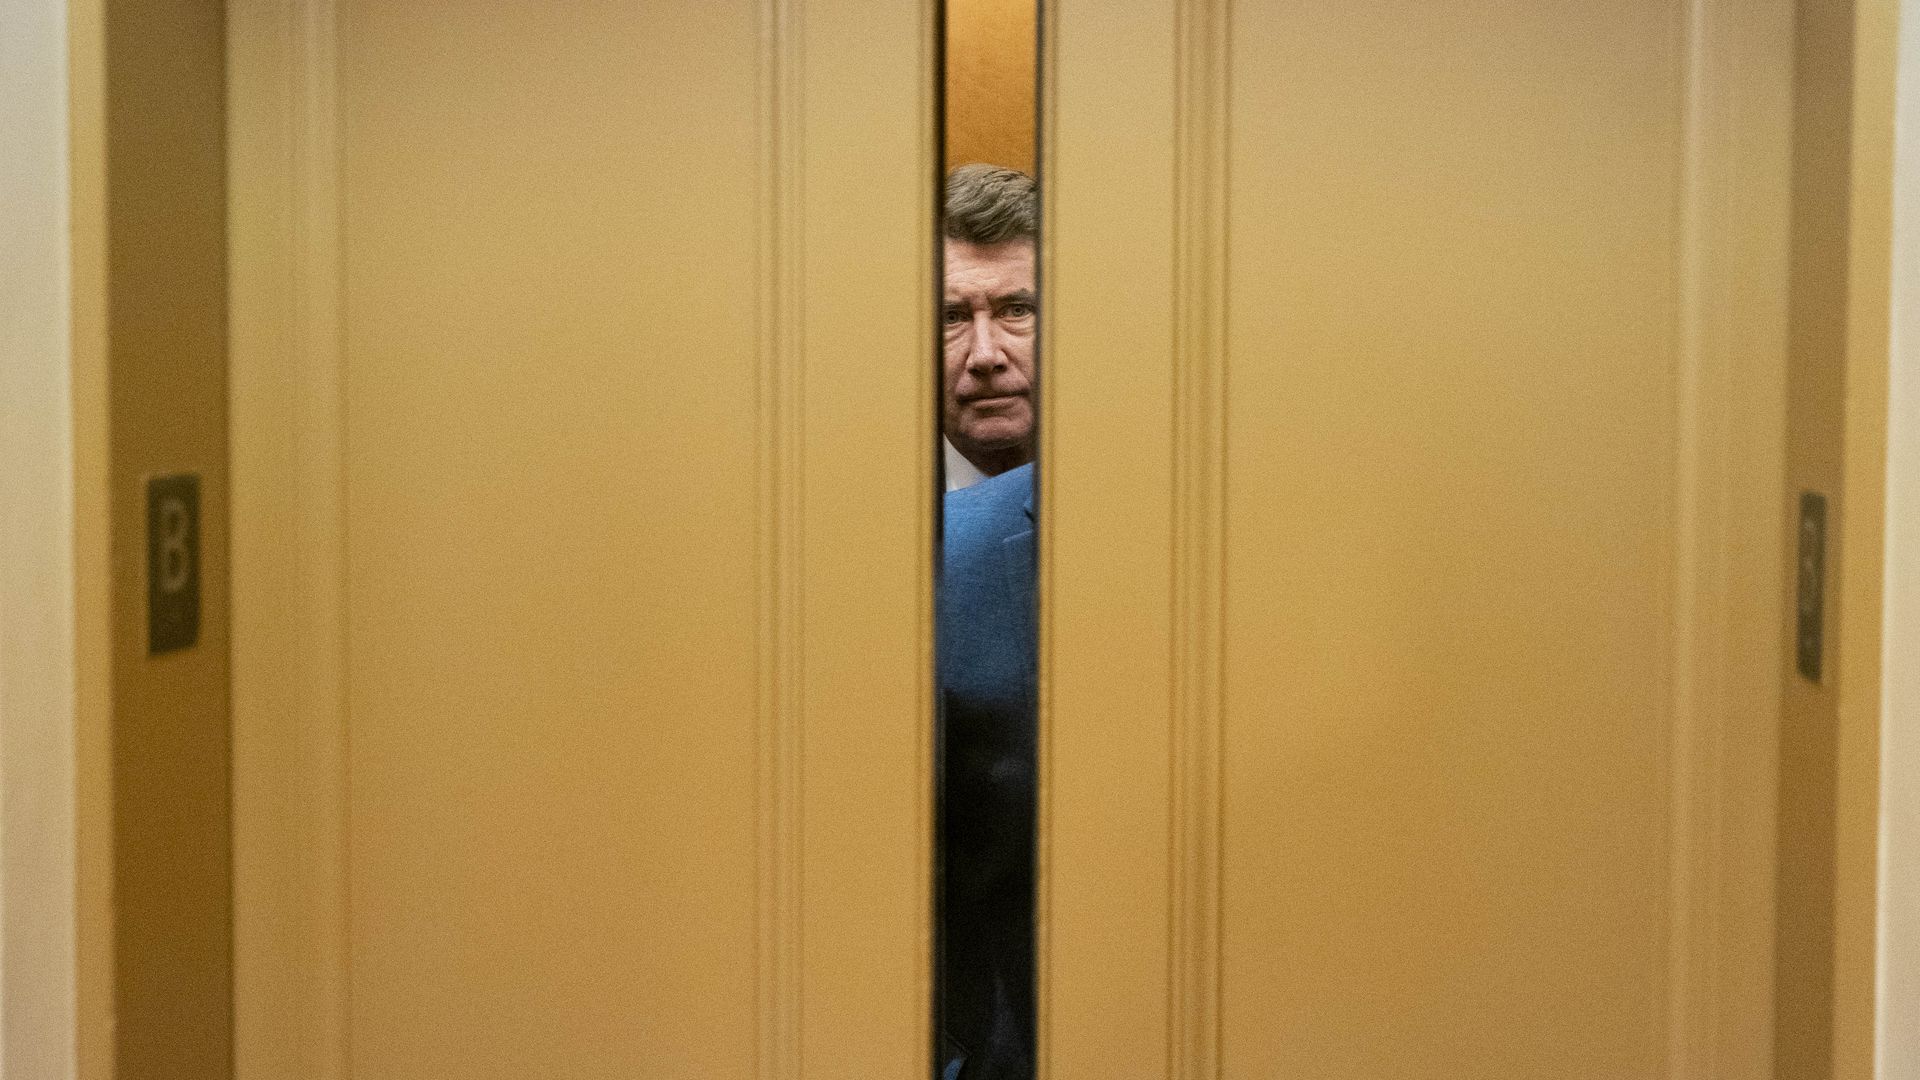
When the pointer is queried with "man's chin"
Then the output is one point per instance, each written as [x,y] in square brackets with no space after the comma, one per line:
[1002,447]
[995,440]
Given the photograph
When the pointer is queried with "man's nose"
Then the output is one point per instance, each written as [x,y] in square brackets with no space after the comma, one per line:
[987,352]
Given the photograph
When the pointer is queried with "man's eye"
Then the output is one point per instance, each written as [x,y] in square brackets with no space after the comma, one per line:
[1018,311]
[954,317]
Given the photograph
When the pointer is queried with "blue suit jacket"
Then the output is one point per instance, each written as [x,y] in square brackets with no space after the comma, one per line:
[987,669]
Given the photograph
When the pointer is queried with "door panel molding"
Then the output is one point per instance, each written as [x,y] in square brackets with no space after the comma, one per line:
[868,160]
[1727,636]
[1109,257]
[292,974]
[1201,122]
[781,435]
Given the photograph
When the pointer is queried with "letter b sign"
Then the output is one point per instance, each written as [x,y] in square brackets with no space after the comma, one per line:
[173,562]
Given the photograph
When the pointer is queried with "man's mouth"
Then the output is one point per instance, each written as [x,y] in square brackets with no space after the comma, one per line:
[990,399]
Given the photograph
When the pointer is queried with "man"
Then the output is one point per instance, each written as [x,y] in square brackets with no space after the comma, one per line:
[987,631]
[989,317]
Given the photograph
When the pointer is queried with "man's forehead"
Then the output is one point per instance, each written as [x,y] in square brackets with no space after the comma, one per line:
[1002,272]
[1013,255]
[1017,248]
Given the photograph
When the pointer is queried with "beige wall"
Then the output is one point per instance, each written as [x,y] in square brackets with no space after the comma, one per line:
[36,535]
[94,599]
[990,82]
[1898,1028]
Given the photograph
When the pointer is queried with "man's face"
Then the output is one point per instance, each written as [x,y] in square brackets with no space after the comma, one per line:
[989,317]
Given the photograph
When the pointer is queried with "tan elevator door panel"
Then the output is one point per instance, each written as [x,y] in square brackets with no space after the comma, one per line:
[1451,527]
[550,383]
[586,599]
[1412,464]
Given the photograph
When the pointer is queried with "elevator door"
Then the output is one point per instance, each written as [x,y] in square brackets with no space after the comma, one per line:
[1407,537]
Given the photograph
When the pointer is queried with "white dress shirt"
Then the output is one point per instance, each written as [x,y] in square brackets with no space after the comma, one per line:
[960,472]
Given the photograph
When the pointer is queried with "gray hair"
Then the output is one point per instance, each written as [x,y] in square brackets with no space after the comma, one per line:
[989,205]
